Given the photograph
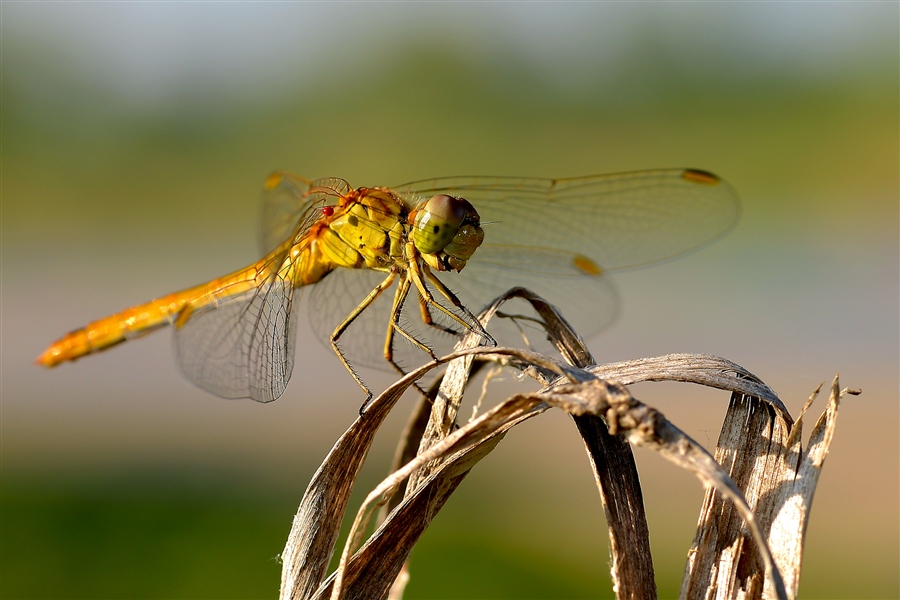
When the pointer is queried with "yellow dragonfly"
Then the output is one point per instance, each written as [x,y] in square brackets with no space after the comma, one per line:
[234,336]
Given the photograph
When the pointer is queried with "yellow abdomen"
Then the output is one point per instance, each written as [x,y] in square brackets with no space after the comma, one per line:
[144,318]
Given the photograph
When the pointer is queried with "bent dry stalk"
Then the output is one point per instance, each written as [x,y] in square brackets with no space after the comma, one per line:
[764,536]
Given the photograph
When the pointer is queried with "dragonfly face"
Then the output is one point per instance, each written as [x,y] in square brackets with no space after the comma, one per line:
[447,231]
[558,237]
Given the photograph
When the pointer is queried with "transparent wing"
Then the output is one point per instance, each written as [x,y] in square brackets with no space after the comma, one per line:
[618,221]
[559,237]
[588,302]
[286,203]
[241,346]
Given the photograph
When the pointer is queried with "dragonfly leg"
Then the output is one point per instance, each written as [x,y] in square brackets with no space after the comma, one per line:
[416,271]
[429,320]
[394,326]
[340,329]
[473,325]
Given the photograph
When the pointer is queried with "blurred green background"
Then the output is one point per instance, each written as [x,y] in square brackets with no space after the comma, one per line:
[135,139]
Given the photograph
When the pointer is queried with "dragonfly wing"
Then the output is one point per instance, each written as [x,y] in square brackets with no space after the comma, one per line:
[589,301]
[243,345]
[619,221]
[558,237]
[286,203]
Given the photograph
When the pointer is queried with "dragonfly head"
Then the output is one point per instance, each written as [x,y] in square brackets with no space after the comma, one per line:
[447,232]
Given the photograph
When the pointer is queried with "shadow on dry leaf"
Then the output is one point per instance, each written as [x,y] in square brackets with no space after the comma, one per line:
[749,540]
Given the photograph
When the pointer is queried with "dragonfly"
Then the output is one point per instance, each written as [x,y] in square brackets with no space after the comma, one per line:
[444,245]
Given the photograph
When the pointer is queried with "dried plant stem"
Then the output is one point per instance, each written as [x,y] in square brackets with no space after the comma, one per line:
[746,541]
[764,456]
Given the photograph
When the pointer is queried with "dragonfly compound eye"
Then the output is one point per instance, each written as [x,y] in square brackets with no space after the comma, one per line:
[438,221]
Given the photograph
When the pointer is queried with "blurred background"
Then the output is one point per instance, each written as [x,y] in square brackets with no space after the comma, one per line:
[135,140]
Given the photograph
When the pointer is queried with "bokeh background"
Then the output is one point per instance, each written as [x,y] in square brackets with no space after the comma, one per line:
[135,138]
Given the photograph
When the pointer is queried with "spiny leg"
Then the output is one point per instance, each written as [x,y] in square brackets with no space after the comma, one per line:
[475,324]
[394,325]
[415,270]
[340,329]
[425,312]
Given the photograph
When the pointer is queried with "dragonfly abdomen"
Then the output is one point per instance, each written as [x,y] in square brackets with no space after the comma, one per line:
[175,308]
[115,329]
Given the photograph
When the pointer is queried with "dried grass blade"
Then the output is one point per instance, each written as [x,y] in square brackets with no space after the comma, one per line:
[615,473]
[316,524]
[370,572]
[764,456]
[647,427]
[703,369]
[612,462]
[794,493]
[655,432]
[723,556]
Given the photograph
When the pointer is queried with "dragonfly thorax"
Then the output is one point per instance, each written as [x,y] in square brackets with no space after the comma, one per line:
[365,231]
[447,232]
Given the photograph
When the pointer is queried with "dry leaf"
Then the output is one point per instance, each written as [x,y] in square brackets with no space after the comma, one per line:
[731,555]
